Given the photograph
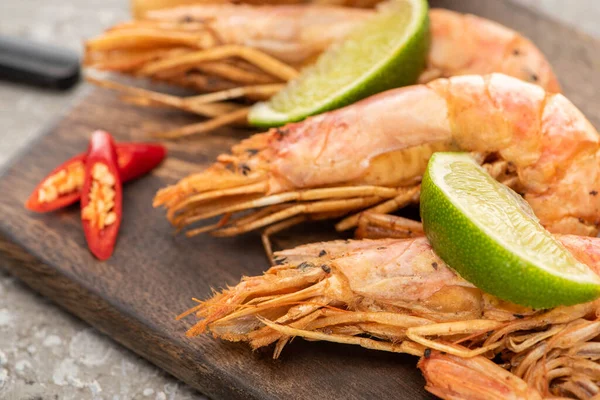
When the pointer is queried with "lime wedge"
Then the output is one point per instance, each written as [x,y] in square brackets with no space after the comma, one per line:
[490,236]
[387,51]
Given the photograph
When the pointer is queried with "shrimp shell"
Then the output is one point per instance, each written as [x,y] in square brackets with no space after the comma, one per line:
[294,34]
[465,44]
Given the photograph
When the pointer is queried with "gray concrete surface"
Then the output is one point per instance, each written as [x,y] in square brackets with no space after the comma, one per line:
[44,352]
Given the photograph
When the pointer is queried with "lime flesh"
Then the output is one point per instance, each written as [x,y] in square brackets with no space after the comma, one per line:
[387,51]
[490,236]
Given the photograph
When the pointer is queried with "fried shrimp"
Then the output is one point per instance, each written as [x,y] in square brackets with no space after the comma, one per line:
[397,295]
[244,51]
[371,156]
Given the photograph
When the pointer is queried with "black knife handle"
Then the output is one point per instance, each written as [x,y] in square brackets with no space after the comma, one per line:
[37,64]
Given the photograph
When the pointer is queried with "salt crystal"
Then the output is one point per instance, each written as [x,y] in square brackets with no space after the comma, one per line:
[52,340]
[95,388]
[65,372]
[6,318]
[3,377]
[22,365]
[90,348]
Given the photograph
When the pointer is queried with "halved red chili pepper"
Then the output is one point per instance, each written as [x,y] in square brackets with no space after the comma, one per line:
[62,187]
[101,196]
[137,159]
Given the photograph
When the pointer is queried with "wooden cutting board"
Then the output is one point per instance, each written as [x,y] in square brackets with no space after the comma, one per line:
[135,296]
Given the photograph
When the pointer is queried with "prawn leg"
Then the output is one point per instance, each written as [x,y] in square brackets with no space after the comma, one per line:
[374,226]
[338,200]
[363,342]
[205,126]
[286,224]
[256,57]
[308,208]
[152,98]
[273,229]
[228,71]
[404,198]
[454,328]
[259,92]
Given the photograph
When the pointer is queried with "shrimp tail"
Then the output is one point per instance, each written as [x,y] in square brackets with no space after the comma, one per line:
[453,378]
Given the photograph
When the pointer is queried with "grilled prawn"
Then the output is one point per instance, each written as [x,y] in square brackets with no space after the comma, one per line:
[181,40]
[296,34]
[397,295]
[250,51]
[371,155]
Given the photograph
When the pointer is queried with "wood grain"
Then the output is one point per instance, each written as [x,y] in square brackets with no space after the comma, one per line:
[135,296]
